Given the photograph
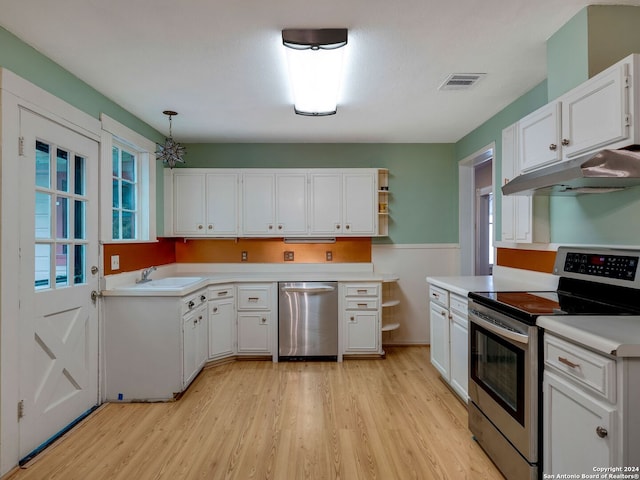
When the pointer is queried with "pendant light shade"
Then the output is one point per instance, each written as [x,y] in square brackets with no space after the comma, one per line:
[315,59]
[171,152]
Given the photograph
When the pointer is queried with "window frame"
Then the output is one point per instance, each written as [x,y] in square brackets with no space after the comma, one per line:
[115,134]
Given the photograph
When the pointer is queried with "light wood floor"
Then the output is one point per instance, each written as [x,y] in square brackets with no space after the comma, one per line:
[362,419]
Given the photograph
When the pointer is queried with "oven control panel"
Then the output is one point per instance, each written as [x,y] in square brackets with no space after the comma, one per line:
[614,266]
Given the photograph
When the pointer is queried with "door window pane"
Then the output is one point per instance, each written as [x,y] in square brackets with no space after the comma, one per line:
[79,220]
[62,265]
[116,224]
[116,193]
[42,266]
[79,264]
[62,217]
[43,215]
[62,171]
[43,165]
[115,160]
[128,166]
[128,196]
[79,176]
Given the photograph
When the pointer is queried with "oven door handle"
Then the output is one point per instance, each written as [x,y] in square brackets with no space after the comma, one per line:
[498,330]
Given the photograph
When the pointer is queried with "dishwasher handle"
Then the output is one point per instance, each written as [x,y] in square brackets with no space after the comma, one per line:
[323,289]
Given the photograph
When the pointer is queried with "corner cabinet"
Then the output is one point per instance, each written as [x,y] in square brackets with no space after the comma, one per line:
[525,219]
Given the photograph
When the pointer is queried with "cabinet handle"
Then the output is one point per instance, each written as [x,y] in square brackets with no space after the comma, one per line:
[215,310]
[195,321]
[279,227]
[270,227]
[553,147]
[263,320]
[568,362]
[602,432]
[362,291]
[565,142]
[222,294]
[210,227]
[253,299]
[347,226]
[337,226]
[200,227]
[202,298]
[362,305]
[352,318]
[191,304]
[506,180]
[436,295]
[443,313]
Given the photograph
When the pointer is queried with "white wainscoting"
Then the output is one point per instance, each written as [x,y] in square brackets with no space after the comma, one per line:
[413,264]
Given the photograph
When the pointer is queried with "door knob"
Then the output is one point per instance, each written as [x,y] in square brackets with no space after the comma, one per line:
[94,270]
[95,295]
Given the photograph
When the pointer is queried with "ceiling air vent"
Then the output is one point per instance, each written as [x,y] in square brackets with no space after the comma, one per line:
[461,81]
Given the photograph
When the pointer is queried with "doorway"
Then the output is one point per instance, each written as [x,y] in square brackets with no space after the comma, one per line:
[476,208]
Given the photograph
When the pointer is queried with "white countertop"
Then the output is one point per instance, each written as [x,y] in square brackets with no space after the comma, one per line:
[612,335]
[503,280]
[128,288]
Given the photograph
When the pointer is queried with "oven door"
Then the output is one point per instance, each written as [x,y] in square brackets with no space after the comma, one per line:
[503,376]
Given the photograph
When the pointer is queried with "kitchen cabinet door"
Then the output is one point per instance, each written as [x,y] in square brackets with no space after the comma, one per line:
[258,204]
[459,354]
[579,431]
[596,113]
[222,328]
[254,332]
[439,329]
[539,138]
[194,339]
[222,204]
[189,203]
[326,203]
[360,215]
[291,204]
[362,331]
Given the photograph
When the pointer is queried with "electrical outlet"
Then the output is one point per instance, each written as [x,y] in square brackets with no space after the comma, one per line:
[115,262]
[288,256]
[245,256]
[329,256]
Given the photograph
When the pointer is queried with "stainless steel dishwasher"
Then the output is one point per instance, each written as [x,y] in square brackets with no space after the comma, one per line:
[308,321]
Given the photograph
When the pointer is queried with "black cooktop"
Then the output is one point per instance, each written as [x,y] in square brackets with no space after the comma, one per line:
[573,297]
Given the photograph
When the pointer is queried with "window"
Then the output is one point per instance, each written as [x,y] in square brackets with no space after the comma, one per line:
[125,194]
[128,176]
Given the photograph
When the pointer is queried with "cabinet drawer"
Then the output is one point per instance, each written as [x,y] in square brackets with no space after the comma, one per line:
[220,291]
[193,301]
[362,290]
[458,303]
[590,370]
[362,304]
[254,298]
[439,295]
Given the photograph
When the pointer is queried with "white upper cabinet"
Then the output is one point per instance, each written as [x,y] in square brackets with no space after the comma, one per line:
[258,204]
[525,219]
[201,204]
[360,193]
[539,134]
[274,204]
[344,203]
[596,113]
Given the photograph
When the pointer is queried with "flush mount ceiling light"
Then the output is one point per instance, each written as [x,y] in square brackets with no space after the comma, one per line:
[315,60]
[171,152]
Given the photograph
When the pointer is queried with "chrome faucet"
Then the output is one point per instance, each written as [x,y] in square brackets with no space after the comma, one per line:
[145,275]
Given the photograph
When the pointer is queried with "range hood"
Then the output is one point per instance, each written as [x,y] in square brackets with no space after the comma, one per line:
[602,172]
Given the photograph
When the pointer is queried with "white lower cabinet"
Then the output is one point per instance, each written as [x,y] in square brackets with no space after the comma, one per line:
[222,322]
[154,346]
[254,320]
[449,329]
[361,318]
[590,414]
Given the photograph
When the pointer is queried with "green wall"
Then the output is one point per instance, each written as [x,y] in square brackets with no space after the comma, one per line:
[423,178]
[491,131]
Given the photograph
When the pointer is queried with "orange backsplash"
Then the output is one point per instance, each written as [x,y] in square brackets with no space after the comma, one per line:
[134,256]
[536,260]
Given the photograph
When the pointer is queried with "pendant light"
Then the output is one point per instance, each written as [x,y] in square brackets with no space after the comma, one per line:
[171,152]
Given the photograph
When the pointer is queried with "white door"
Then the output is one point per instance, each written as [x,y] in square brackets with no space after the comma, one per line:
[325,206]
[359,203]
[58,209]
[258,204]
[189,198]
[291,203]
[222,204]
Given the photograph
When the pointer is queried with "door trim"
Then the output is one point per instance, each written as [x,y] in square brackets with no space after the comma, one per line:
[17,93]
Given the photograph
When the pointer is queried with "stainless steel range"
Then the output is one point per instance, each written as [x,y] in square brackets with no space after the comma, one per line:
[505,368]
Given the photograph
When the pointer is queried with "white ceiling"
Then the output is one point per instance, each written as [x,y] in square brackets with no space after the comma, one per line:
[221,64]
